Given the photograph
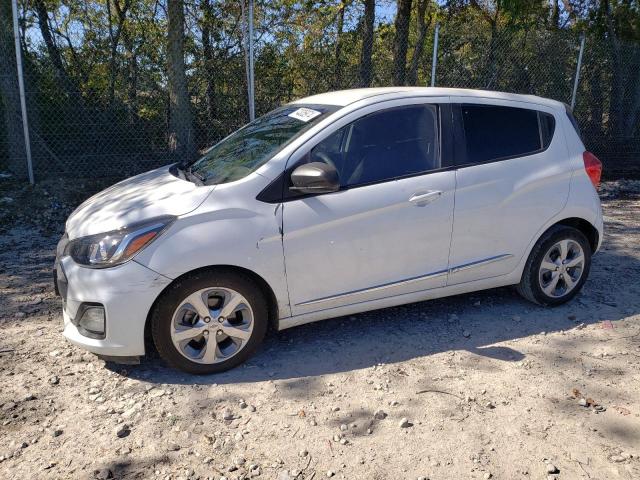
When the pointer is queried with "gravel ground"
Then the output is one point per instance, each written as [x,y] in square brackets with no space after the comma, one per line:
[481,386]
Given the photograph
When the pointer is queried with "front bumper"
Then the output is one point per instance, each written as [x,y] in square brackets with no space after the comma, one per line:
[127,293]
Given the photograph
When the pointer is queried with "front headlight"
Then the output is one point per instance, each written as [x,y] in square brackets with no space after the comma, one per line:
[118,246]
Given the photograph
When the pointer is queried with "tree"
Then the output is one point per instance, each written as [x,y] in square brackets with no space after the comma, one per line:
[624,111]
[181,140]
[10,98]
[132,72]
[490,13]
[342,6]
[423,27]
[366,68]
[115,31]
[207,59]
[401,41]
[119,86]
[54,53]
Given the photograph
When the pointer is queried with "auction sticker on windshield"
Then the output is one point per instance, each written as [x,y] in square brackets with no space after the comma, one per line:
[304,114]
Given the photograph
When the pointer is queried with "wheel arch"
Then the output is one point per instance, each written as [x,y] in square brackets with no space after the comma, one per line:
[582,225]
[529,288]
[261,282]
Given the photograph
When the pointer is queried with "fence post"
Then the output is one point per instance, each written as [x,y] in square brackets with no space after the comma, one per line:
[577,78]
[434,61]
[250,83]
[23,102]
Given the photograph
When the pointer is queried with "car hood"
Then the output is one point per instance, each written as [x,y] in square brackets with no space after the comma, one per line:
[136,199]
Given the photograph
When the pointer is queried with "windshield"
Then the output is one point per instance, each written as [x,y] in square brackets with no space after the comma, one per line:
[245,150]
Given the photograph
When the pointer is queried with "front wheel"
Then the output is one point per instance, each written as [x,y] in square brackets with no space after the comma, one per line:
[557,267]
[209,322]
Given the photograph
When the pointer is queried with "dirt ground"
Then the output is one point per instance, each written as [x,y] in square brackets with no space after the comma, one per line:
[475,386]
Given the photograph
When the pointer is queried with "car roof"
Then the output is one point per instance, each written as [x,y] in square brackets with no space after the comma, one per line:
[345,97]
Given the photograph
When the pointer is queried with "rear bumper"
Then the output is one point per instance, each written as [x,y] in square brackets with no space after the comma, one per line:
[127,293]
[599,226]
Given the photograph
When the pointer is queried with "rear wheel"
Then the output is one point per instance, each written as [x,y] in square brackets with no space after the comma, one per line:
[557,267]
[209,322]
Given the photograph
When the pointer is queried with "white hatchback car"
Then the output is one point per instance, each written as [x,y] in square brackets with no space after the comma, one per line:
[331,205]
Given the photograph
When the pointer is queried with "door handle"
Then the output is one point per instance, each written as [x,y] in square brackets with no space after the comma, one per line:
[421,199]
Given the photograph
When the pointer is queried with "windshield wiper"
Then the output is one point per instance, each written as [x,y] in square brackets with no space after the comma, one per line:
[190,176]
[200,179]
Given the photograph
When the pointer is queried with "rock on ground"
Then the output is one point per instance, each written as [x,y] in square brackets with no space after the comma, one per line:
[503,402]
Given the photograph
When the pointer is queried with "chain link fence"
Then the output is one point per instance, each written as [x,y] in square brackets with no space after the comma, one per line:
[99,104]
[12,145]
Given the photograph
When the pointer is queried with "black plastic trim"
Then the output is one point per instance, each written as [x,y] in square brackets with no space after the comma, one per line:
[273,192]
[84,306]
[574,122]
[61,285]
[546,134]
[123,360]
[56,289]
[446,133]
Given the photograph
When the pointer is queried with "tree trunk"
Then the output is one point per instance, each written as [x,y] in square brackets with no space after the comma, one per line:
[616,111]
[112,57]
[10,96]
[491,72]
[366,70]
[54,53]
[114,36]
[555,14]
[181,141]
[596,118]
[633,107]
[571,13]
[423,27]
[401,42]
[337,76]
[132,78]
[209,70]
[616,141]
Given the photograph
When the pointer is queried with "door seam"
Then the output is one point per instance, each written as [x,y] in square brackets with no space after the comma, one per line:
[453,220]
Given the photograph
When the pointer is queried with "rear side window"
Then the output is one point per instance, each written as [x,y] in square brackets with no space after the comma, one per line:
[496,132]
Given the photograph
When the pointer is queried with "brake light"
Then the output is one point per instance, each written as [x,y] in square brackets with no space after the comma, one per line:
[593,167]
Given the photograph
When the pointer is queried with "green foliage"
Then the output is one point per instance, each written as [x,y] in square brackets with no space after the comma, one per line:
[112,115]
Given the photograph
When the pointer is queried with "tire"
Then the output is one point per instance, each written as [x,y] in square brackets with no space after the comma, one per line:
[537,283]
[213,340]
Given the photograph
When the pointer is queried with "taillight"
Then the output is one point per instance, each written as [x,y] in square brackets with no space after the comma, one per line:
[593,167]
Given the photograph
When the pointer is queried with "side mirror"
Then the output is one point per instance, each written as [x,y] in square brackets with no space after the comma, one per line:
[315,177]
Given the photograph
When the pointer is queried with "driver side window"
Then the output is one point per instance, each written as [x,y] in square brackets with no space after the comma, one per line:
[382,146]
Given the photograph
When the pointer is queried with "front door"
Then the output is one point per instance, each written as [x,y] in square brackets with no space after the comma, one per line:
[387,230]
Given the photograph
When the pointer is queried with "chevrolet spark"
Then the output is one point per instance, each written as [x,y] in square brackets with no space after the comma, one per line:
[331,205]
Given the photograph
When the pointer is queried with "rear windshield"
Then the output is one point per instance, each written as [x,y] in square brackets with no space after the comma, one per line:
[245,150]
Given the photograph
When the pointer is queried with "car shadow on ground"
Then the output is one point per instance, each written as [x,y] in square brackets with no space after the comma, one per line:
[473,323]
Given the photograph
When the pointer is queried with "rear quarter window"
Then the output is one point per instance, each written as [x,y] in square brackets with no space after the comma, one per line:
[494,132]
[547,128]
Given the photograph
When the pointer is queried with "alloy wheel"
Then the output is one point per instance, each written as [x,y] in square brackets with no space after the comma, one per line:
[561,268]
[212,325]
